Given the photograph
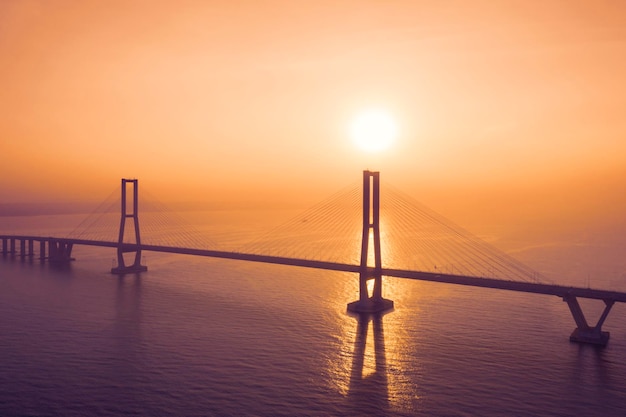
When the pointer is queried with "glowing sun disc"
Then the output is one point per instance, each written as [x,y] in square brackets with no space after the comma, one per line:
[373,130]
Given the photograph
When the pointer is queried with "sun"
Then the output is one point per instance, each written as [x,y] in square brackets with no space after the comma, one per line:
[373,130]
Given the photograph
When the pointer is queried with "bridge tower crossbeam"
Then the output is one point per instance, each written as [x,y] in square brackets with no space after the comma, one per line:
[123,247]
[371,225]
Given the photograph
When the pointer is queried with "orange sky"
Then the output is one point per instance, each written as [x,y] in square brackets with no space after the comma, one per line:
[499,103]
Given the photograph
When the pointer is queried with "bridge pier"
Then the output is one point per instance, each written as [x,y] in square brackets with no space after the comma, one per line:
[26,248]
[10,243]
[122,247]
[42,250]
[584,333]
[135,267]
[371,223]
[60,251]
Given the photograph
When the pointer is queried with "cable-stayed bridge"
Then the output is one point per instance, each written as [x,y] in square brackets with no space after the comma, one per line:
[353,231]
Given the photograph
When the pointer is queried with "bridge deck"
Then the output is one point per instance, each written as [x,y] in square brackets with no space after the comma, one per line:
[529,287]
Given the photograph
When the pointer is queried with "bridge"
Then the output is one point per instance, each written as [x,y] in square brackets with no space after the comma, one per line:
[470,255]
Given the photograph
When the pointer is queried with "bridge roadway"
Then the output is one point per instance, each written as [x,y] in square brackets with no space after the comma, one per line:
[528,287]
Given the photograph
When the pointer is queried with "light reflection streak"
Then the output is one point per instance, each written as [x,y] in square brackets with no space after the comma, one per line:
[368,387]
[369,368]
[124,368]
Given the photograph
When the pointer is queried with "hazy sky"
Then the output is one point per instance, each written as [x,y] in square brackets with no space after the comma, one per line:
[498,103]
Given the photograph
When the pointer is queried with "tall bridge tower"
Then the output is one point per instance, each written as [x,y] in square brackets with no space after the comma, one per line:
[371,226]
[124,247]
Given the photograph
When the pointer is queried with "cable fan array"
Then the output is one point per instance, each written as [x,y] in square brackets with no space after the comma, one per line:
[103,223]
[329,231]
[413,237]
[417,238]
[159,225]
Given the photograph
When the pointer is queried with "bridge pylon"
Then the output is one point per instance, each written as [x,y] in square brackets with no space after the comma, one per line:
[371,225]
[125,247]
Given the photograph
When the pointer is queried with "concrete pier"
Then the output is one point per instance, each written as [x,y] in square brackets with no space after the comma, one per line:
[60,251]
[370,305]
[130,269]
[592,336]
[584,333]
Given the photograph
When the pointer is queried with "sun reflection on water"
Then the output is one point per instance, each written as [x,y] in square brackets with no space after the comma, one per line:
[369,372]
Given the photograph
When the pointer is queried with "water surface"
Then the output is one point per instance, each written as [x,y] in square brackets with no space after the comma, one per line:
[200,337]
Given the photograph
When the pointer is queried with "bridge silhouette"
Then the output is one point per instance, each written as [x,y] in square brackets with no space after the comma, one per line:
[463,267]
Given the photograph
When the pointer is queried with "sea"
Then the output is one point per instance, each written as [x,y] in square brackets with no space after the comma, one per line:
[198,336]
